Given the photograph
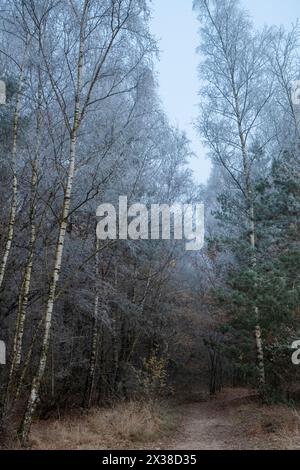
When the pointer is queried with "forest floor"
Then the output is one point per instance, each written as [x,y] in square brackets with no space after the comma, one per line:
[233,420]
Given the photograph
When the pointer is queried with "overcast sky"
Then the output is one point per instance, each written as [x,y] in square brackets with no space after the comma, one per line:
[175,25]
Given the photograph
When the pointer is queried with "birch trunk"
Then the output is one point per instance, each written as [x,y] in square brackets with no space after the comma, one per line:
[13,206]
[36,382]
[26,363]
[252,237]
[237,73]
[23,297]
[35,387]
[95,337]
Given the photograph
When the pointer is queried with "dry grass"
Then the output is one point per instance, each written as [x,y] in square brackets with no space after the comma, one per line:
[233,420]
[293,440]
[268,427]
[127,425]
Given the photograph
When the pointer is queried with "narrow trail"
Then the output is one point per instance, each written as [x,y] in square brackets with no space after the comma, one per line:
[233,420]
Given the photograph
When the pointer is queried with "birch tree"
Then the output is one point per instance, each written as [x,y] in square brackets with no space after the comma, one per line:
[26,281]
[284,63]
[235,95]
[115,22]
[14,149]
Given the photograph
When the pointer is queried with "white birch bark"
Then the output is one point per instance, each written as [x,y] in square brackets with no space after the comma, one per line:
[25,288]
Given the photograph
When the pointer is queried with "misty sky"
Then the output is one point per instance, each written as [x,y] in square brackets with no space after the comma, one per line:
[175,25]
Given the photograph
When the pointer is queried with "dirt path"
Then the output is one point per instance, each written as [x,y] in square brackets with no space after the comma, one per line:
[235,420]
